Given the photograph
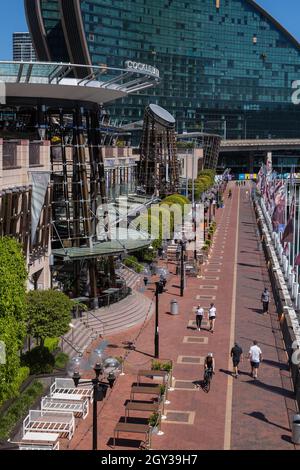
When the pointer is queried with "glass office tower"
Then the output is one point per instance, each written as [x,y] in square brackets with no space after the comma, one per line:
[227,65]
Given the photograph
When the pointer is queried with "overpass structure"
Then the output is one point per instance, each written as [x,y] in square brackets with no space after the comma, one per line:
[246,156]
[268,145]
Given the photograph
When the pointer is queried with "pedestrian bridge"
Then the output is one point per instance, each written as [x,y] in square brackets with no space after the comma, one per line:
[259,145]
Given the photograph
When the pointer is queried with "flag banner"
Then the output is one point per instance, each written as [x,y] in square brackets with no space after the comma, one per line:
[288,234]
[278,212]
[297,260]
[40,182]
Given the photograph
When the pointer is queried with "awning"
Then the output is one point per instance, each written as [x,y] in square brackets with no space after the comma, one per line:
[134,241]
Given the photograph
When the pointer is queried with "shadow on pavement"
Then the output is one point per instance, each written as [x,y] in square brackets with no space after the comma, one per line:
[255,310]
[249,265]
[262,417]
[280,365]
[273,388]
[134,443]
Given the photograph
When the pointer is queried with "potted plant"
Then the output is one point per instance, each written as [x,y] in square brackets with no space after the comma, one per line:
[162,366]
[154,422]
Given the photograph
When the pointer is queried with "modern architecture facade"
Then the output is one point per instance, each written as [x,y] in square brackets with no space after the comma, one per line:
[227,65]
[23,49]
[64,210]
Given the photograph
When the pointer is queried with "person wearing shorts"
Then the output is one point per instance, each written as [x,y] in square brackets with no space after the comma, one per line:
[236,355]
[255,356]
[212,313]
[199,317]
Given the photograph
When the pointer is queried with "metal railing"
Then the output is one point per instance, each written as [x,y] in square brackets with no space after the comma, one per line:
[69,343]
[109,299]
[102,323]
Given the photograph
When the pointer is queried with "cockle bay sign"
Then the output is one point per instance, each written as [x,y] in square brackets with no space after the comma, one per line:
[143,68]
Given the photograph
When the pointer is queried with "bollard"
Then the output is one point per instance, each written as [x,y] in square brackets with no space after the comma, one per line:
[296,430]
[174,307]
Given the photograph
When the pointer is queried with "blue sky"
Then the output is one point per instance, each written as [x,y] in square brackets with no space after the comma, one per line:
[12,19]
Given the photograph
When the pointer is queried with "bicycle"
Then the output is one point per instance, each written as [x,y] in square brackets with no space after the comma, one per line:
[208,375]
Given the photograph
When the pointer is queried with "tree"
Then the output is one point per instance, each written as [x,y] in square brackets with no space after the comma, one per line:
[13,313]
[49,314]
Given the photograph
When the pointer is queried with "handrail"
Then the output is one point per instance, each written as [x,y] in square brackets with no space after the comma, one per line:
[99,320]
[130,269]
[63,338]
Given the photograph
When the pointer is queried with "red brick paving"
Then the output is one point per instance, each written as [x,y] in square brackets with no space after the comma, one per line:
[261,409]
[263,398]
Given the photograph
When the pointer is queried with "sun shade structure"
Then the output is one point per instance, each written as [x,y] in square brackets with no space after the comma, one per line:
[98,84]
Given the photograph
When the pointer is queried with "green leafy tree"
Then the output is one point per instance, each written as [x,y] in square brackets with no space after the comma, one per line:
[49,314]
[13,313]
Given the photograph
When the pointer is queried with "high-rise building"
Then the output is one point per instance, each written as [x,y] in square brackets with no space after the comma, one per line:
[23,48]
[227,66]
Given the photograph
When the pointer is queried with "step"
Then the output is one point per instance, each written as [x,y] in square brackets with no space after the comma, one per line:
[126,314]
[140,309]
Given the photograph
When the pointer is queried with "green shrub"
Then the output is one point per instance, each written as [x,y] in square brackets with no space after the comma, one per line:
[61,361]
[154,419]
[39,360]
[22,375]
[19,409]
[51,344]
[159,365]
[176,199]
[132,262]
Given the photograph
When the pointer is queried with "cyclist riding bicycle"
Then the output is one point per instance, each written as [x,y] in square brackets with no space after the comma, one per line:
[209,366]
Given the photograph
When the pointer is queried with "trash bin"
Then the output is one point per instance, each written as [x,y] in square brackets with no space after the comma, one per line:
[296,430]
[174,307]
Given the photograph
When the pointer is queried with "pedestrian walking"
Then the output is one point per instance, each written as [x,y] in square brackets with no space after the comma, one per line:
[199,317]
[212,313]
[255,356]
[237,356]
[146,281]
[265,299]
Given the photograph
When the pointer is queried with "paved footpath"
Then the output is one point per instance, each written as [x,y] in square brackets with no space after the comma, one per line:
[236,413]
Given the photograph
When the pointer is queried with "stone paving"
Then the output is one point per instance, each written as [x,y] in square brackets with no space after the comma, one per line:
[236,413]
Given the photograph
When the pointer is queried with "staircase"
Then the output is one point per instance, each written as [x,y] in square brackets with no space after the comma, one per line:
[104,322]
[77,340]
[132,279]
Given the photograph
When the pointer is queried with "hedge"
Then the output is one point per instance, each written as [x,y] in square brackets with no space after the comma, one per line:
[61,361]
[19,409]
[51,344]
[132,262]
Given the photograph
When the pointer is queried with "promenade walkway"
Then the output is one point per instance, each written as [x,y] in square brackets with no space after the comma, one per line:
[236,413]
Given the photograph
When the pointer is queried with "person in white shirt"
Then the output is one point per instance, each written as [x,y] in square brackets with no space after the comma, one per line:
[255,356]
[199,317]
[212,313]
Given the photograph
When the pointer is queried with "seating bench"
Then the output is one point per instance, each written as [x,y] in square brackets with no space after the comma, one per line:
[153,373]
[132,428]
[144,390]
[133,406]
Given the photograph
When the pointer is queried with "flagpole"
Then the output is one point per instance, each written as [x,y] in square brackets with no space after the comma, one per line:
[298,235]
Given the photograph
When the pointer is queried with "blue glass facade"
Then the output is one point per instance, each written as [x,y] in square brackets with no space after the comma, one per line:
[227,66]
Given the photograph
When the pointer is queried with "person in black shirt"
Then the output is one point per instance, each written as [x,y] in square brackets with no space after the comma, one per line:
[236,355]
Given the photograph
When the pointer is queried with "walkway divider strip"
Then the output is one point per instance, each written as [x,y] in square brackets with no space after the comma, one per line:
[228,413]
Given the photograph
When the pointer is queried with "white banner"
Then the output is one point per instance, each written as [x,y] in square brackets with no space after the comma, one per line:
[40,182]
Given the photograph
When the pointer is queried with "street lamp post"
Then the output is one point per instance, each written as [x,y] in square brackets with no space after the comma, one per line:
[159,290]
[108,367]
[182,269]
